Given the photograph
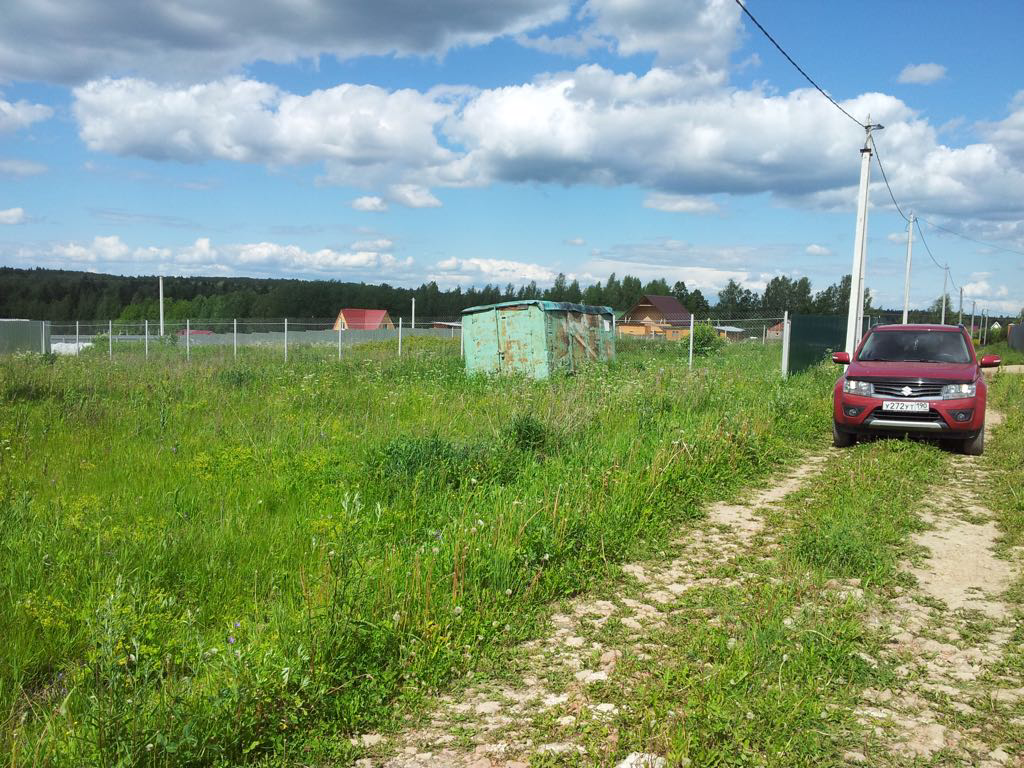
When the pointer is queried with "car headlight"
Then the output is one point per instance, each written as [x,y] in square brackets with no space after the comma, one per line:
[853,387]
[957,391]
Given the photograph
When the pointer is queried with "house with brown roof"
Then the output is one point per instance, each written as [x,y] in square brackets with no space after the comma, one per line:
[363,320]
[656,315]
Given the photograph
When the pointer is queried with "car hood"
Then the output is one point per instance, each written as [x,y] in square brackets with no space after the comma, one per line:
[952,372]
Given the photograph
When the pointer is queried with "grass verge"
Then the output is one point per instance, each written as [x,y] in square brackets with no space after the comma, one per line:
[230,561]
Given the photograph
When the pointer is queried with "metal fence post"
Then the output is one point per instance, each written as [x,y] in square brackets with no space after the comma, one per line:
[188,339]
[785,344]
[286,339]
[78,347]
[42,337]
[234,338]
[339,340]
[399,337]
[691,340]
[110,339]
[146,326]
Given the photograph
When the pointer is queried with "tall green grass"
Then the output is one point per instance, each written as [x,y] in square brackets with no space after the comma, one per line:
[214,562]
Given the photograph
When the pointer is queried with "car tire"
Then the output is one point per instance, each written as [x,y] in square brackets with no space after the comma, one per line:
[975,446]
[841,439]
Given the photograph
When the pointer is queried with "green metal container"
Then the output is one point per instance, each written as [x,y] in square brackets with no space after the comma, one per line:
[536,337]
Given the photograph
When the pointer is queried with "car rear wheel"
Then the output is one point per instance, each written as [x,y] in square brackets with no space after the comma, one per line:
[975,446]
[842,439]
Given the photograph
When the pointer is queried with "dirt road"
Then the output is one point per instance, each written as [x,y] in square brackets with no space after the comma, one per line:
[952,697]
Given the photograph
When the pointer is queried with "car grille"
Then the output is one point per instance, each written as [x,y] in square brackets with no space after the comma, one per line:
[931,416]
[917,389]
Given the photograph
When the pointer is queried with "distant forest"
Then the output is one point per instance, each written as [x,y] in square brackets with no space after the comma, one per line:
[46,294]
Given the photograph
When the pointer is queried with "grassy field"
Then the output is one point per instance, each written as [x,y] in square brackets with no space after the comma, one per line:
[232,561]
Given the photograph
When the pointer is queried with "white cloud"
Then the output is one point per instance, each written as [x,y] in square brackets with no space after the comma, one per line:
[21,114]
[414,196]
[817,250]
[497,271]
[203,256]
[576,241]
[20,168]
[71,42]
[680,204]
[363,134]
[702,31]
[922,74]
[697,34]
[380,244]
[680,134]
[370,203]
[12,216]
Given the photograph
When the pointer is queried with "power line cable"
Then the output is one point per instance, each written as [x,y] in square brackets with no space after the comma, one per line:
[925,244]
[878,159]
[798,67]
[972,239]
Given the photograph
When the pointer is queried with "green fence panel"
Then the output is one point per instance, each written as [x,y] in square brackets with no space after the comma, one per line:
[1015,337]
[24,336]
[813,338]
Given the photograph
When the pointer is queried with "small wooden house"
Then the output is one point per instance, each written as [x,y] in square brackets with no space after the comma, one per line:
[656,316]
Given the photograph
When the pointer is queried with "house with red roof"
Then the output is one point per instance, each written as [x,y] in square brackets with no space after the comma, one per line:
[363,320]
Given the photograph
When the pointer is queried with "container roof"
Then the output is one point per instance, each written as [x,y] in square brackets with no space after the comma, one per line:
[547,306]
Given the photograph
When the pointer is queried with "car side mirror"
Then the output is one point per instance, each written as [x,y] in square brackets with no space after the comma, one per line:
[843,358]
[991,361]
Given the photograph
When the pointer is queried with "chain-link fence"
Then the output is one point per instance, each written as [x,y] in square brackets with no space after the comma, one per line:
[220,338]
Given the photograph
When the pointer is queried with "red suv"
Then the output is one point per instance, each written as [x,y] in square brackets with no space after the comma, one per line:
[921,380]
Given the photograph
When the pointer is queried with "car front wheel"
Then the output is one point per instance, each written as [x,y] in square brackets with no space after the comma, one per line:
[974,446]
[841,439]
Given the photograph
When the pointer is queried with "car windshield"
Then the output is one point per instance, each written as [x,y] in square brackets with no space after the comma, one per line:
[915,346]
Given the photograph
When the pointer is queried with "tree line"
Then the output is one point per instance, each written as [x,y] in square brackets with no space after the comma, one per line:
[47,294]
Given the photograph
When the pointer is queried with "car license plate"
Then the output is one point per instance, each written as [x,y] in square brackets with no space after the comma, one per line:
[904,406]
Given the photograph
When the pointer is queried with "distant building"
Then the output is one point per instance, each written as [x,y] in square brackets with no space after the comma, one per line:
[656,315]
[731,332]
[363,320]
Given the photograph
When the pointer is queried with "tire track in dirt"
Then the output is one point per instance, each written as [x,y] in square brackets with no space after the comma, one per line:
[952,701]
[562,677]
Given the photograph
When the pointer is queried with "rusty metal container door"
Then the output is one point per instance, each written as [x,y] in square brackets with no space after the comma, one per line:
[521,346]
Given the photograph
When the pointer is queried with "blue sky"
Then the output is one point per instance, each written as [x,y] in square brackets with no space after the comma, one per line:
[511,140]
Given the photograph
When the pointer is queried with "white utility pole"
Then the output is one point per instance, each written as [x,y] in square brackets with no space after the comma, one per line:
[974,306]
[855,316]
[413,323]
[785,344]
[906,279]
[945,279]
[161,305]
[960,319]
[691,341]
